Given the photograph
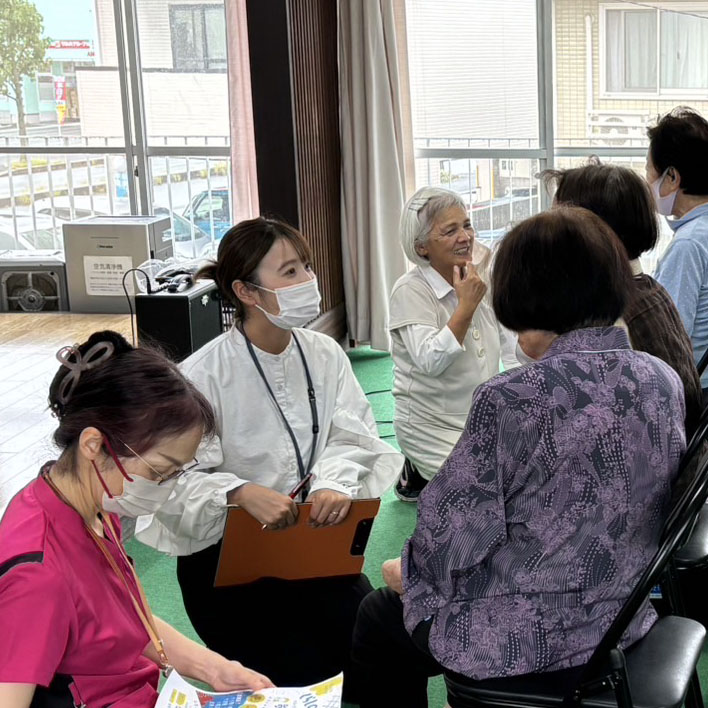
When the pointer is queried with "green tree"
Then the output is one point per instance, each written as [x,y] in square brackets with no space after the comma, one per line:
[22,50]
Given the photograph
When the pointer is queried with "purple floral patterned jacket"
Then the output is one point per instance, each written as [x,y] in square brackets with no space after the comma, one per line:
[547,510]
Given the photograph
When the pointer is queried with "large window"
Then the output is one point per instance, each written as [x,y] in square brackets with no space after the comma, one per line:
[474,72]
[474,92]
[198,37]
[87,145]
[502,90]
[655,51]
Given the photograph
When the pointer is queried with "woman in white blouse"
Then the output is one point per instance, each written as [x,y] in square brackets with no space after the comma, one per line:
[445,339]
[287,404]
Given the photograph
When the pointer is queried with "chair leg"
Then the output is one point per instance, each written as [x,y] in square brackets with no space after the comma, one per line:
[694,697]
[672,590]
[620,679]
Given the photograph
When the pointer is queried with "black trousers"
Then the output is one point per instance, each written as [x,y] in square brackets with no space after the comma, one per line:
[390,667]
[294,632]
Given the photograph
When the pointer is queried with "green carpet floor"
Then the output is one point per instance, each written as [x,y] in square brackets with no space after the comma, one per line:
[393,525]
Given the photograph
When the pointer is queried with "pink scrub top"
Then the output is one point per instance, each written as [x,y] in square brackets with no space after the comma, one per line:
[63,610]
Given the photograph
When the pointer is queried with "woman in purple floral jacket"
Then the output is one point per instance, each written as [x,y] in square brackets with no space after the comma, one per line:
[550,506]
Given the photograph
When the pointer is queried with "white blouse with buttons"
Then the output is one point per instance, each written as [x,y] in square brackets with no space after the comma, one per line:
[434,375]
[252,444]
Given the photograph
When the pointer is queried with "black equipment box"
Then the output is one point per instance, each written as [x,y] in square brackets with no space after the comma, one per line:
[179,322]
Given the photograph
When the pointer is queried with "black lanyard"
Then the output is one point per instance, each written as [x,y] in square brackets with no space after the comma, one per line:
[313,408]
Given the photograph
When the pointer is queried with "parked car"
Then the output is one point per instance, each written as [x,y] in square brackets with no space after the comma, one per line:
[8,242]
[186,245]
[83,207]
[209,207]
[25,233]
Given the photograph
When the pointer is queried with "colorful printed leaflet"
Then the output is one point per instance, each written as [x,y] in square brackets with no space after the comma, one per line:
[178,693]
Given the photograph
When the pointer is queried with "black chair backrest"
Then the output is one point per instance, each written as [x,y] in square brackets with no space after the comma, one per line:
[702,363]
[698,437]
[689,505]
[693,451]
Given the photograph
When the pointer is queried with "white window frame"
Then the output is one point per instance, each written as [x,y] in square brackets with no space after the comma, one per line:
[669,94]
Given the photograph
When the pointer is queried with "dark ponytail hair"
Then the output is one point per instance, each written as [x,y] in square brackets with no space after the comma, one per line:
[241,251]
[135,398]
[618,195]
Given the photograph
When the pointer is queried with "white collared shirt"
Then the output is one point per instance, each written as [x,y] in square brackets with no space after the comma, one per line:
[252,444]
[433,349]
[433,372]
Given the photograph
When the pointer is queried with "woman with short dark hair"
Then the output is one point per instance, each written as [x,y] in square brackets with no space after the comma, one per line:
[551,504]
[677,171]
[622,199]
[76,627]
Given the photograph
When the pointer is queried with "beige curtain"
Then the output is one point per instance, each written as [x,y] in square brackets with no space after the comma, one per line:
[244,179]
[377,154]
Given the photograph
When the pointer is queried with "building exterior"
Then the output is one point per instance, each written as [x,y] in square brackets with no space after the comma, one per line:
[619,65]
[51,96]
[183,57]
[473,65]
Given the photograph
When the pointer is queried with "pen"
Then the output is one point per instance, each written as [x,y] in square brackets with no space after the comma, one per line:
[295,491]
[300,485]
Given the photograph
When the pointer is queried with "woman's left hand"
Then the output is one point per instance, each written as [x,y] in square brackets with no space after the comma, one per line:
[234,676]
[391,572]
[328,507]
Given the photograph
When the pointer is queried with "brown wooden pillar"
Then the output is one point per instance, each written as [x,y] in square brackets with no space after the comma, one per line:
[293,54]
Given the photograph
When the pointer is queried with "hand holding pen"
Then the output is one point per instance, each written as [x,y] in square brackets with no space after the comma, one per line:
[270,507]
[295,491]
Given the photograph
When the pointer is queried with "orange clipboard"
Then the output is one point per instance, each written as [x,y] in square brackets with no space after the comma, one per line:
[250,553]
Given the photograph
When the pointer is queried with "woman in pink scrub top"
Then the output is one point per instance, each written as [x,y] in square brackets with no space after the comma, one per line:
[76,628]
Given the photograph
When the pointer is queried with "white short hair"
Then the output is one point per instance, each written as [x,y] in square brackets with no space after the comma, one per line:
[419,215]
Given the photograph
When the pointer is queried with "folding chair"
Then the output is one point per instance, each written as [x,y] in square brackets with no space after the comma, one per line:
[701,366]
[655,672]
[692,556]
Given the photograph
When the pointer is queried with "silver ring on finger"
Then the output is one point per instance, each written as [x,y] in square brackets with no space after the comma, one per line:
[334,513]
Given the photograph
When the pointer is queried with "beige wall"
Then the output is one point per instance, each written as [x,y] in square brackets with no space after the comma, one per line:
[153,29]
[177,104]
[99,103]
[106,33]
[571,74]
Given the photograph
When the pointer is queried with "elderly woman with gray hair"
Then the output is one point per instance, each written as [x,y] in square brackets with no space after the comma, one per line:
[445,339]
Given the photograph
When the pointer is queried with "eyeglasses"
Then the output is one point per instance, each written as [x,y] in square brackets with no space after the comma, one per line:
[162,477]
[452,231]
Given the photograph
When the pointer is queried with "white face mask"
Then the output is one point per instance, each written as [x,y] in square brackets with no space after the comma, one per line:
[140,497]
[664,205]
[299,304]
[522,357]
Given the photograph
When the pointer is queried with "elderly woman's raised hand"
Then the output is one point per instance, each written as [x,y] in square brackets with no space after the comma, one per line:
[470,288]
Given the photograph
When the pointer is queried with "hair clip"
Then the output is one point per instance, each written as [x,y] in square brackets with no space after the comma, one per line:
[96,355]
[417,204]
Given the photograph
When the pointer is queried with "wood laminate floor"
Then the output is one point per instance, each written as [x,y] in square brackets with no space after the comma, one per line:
[28,344]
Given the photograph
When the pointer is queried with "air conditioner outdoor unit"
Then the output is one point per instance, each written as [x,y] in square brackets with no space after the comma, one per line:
[616,128]
[33,281]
